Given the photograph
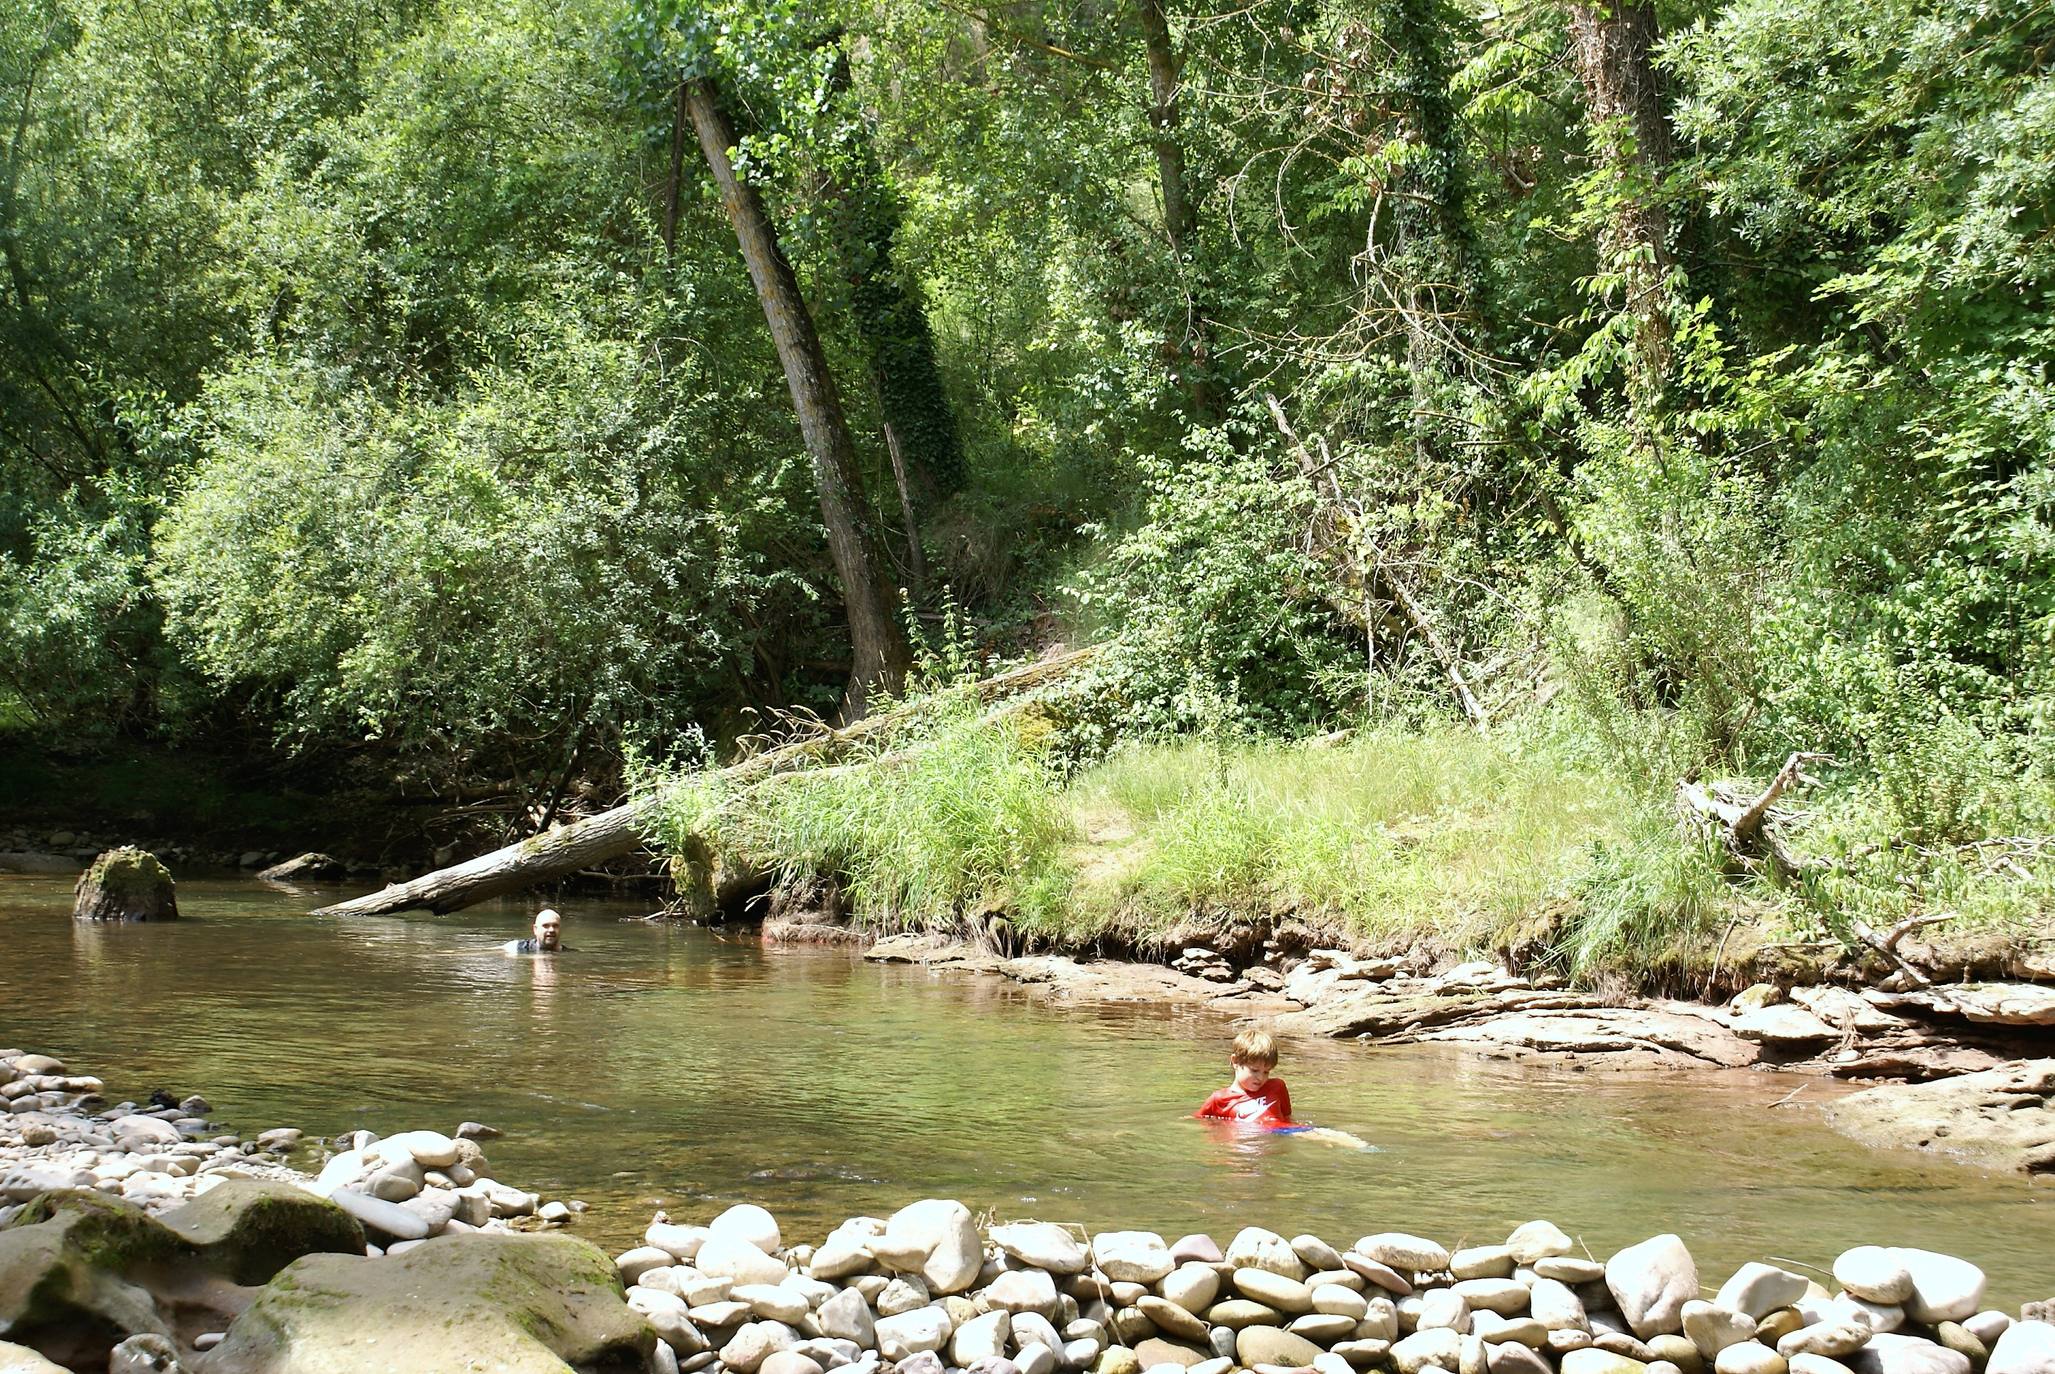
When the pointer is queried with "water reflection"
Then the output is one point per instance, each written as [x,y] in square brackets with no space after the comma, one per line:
[653,1066]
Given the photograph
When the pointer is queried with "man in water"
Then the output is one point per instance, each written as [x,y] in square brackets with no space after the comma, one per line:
[548,939]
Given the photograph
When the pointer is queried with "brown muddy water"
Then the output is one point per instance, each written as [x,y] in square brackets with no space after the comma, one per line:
[660,1066]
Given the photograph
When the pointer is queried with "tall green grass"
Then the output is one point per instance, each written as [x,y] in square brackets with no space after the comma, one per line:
[1436,840]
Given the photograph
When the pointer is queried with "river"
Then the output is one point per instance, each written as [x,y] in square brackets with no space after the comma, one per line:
[657,1065]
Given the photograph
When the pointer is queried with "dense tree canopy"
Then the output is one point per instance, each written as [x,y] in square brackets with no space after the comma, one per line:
[386,376]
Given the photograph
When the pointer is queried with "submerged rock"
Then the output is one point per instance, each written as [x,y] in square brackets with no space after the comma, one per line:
[125,884]
[521,1304]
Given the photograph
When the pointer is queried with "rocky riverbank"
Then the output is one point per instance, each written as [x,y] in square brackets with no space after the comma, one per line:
[161,1179]
[227,1260]
[1968,1034]
[926,1292]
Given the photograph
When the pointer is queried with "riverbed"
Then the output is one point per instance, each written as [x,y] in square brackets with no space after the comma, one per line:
[656,1065]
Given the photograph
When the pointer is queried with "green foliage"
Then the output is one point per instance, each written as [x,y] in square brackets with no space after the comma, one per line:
[954,816]
[1214,593]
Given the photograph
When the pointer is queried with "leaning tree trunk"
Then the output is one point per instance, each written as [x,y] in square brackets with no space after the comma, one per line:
[1614,48]
[596,839]
[1186,340]
[878,643]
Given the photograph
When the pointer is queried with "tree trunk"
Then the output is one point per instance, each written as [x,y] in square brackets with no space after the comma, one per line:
[674,188]
[880,655]
[890,318]
[613,833]
[916,561]
[1614,48]
[1432,275]
[1186,343]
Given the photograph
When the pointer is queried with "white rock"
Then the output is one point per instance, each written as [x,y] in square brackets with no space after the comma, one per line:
[1651,1282]
[387,1217]
[1749,1357]
[1035,1359]
[1944,1288]
[1897,1354]
[682,1242]
[1192,1286]
[730,1258]
[749,1222]
[1255,1248]
[772,1301]
[756,1342]
[1404,1252]
[1032,1328]
[666,1312]
[429,1149]
[1835,1340]
[1044,1245]
[909,1333]
[1874,1273]
[1442,1308]
[1756,1290]
[1346,1302]
[902,1295]
[1985,1326]
[1538,1240]
[1132,1256]
[1556,1307]
[847,1317]
[2024,1348]
[981,1338]
[1482,1262]
[935,1238]
[846,1251]
[1503,1296]
[1022,1290]
[1713,1328]
[1437,1346]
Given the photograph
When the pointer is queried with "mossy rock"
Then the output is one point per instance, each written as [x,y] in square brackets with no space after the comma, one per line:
[248,1229]
[126,884]
[520,1304]
[66,1275]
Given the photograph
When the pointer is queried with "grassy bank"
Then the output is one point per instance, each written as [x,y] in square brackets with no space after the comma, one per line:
[1438,840]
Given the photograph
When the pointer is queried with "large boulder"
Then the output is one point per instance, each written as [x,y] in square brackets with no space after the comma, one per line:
[71,1270]
[520,1304]
[2000,1117]
[248,1229]
[125,884]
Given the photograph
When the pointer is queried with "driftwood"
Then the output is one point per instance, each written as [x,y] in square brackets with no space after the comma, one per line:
[610,834]
[1372,575]
[1742,824]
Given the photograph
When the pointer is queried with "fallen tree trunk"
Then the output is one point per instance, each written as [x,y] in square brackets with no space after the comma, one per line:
[611,834]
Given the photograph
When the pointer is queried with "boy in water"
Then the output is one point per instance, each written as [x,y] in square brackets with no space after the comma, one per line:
[1254,1096]
[1258,1099]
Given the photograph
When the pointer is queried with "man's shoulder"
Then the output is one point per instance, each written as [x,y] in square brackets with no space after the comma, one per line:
[519,946]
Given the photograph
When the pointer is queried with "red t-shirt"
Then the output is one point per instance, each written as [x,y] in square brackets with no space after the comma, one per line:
[1269,1105]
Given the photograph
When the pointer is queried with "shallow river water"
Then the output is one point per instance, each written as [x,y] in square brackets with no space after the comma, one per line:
[659,1066]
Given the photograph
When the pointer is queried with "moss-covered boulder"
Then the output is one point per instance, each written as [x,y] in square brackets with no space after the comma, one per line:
[520,1304]
[126,884]
[248,1229]
[69,1271]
